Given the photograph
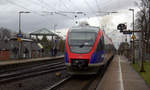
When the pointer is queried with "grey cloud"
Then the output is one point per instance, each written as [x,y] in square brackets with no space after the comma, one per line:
[34,20]
[3,2]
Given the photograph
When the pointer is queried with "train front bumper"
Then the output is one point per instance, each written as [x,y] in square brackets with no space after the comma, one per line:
[90,69]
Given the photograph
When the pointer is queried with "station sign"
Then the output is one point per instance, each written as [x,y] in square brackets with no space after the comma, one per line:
[20,35]
[127,32]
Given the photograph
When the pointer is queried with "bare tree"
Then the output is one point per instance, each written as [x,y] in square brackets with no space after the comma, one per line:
[4,33]
[143,19]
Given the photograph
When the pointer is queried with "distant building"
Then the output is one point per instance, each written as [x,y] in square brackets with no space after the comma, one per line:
[9,49]
[4,50]
[30,48]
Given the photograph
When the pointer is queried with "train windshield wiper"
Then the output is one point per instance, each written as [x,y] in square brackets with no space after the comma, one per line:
[82,45]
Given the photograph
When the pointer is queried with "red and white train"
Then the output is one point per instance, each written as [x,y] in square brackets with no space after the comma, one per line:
[88,50]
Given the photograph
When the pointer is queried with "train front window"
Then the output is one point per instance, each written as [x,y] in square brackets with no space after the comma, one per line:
[82,38]
[81,42]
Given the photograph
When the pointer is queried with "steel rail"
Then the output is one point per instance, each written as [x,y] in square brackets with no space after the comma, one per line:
[32,72]
[56,85]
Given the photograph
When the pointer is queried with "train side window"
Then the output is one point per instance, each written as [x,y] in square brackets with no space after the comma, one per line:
[100,45]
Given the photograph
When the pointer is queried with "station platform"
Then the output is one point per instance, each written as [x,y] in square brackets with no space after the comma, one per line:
[120,75]
[21,61]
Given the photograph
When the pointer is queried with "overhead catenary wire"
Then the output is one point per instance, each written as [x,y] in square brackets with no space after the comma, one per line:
[88,5]
[61,12]
[72,12]
[84,12]
[47,6]
[74,5]
[15,4]
[107,4]
[65,6]
[51,8]
[20,6]
[42,6]
[64,13]
[48,10]
[37,12]
[34,2]
[96,2]
[78,10]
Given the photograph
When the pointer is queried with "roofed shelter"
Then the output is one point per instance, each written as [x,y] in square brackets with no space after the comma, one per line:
[43,32]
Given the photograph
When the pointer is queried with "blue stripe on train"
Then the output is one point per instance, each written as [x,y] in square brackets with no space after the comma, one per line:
[97,56]
[66,57]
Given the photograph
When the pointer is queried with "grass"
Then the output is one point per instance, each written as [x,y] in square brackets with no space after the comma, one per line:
[146,74]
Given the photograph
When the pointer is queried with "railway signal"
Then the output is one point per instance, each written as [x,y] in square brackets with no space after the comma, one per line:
[133,37]
[121,27]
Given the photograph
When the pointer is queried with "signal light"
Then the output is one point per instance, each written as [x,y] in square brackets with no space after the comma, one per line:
[121,27]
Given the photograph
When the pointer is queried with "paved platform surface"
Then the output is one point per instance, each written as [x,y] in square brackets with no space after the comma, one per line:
[9,62]
[120,75]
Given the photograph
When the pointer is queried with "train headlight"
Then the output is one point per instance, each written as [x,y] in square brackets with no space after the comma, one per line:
[102,56]
[77,61]
[90,48]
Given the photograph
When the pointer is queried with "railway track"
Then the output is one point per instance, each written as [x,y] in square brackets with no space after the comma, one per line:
[74,83]
[31,71]
[78,82]
[89,82]
[56,85]
[22,66]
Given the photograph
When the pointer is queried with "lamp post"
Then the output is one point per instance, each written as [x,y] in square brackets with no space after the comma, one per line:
[55,25]
[54,32]
[19,36]
[133,38]
[20,20]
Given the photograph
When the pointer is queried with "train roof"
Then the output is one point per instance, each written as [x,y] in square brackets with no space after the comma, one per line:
[84,29]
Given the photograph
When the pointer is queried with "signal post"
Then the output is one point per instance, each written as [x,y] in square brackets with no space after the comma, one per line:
[122,28]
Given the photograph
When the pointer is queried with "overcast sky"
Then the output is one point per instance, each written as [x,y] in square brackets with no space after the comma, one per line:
[41,15]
